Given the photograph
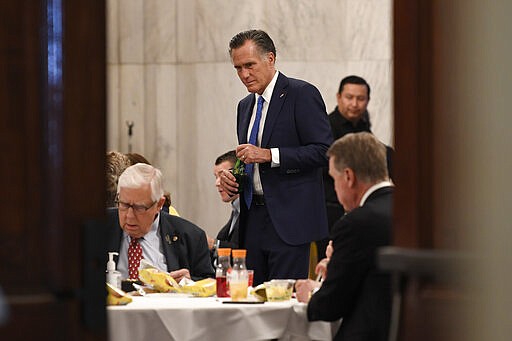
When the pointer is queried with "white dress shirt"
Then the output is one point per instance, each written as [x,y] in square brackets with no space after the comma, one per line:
[373,189]
[267,95]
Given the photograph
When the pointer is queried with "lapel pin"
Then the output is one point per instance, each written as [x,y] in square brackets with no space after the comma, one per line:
[168,239]
[281,95]
[174,238]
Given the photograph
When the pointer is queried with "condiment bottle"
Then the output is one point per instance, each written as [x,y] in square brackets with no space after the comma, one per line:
[113,276]
[238,279]
[222,271]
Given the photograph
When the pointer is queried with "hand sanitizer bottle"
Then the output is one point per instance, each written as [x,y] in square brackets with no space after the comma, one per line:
[113,276]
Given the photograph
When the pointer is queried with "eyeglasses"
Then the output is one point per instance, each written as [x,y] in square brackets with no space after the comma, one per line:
[138,209]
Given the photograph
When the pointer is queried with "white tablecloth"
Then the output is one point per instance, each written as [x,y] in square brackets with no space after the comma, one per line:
[176,317]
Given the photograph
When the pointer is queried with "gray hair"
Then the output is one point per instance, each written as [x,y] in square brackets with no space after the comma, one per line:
[141,174]
[260,38]
[363,153]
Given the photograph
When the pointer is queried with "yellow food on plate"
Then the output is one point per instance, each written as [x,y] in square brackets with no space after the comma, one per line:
[203,288]
[259,292]
[159,280]
[116,296]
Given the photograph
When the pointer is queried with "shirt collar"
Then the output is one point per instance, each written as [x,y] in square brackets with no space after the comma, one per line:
[235,204]
[373,189]
[154,225]
[267,94]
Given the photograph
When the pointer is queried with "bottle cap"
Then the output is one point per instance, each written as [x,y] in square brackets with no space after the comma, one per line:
[224,251]
[240,253]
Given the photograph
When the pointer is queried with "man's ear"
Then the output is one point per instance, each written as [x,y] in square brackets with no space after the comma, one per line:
[350,177]
[271,58]
[161,203]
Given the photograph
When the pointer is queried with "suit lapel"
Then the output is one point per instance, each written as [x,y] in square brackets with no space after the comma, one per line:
[276,103]
[170,242]
[235,227]
[245,119]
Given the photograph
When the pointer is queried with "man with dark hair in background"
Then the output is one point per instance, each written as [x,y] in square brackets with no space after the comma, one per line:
[228,235]
[349,116]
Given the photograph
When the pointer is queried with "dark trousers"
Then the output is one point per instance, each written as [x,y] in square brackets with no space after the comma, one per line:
[267,254]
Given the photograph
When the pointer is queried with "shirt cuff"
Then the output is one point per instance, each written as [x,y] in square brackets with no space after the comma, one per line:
[275,157]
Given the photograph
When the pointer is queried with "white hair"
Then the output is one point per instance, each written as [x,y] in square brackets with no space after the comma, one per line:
[141,174]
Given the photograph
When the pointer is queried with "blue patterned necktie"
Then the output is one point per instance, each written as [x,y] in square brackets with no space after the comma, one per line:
[253,138]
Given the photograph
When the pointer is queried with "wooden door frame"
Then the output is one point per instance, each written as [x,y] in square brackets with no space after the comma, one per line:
[53,109]
[412,44]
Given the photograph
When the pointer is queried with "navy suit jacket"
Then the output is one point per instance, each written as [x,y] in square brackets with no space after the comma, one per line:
[184,244]
[355,289]
[297,124]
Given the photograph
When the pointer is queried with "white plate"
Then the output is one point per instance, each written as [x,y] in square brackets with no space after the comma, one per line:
[168,295]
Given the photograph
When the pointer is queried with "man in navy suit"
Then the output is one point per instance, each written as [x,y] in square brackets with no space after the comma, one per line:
[286,210]
[354,289]
[170,243]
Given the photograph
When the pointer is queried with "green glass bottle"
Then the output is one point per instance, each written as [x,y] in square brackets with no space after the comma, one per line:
[240,174]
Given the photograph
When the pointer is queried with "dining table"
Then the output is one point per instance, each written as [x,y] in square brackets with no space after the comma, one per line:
[177,316]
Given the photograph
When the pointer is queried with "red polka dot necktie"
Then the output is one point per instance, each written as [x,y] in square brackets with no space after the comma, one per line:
[134,257]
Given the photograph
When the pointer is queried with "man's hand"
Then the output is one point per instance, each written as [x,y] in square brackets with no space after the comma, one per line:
[249,153]
[329,250]
[303,289]
[179,274]
[228,182]
[321,268]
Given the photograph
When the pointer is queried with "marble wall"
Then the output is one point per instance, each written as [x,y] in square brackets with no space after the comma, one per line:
[170,74]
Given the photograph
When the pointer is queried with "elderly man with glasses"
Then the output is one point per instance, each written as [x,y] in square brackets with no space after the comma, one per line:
[139,229]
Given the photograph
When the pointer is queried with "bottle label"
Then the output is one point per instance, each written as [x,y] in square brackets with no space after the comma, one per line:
[114,279]
[222,287]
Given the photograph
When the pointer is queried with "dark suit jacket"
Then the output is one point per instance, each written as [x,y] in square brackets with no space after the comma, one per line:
[184,244]
[340,127]
[297,124]
[355,290]
[227,239]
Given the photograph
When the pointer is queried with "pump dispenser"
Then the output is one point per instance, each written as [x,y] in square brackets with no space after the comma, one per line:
[113,276]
